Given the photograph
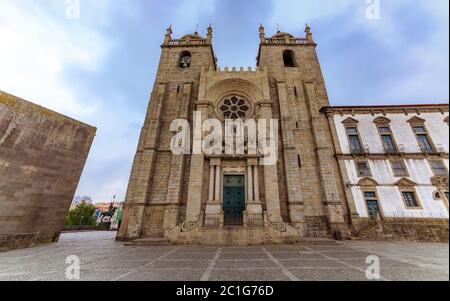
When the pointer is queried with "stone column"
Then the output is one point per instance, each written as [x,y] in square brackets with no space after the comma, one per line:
[256,183]
[292,171]
[174,188]
[218,182]
[214,206]
[211,183]
[326,161]
[271,173]
[253,203]
[250,198]
[194,198]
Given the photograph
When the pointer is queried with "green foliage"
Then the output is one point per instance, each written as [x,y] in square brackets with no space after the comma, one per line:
[82,215]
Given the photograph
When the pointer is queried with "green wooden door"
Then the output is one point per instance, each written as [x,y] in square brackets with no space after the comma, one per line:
[234,200]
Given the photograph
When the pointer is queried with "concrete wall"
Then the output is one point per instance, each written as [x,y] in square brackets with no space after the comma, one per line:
[42,155]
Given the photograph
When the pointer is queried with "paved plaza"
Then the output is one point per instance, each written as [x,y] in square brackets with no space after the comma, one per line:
[102,258]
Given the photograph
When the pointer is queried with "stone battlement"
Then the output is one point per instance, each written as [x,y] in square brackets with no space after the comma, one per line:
[236,70]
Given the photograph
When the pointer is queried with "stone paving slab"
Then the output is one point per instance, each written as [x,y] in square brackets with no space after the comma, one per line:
[248,275]
[170,264]
[297,255]
[327,274]
[253,264]
[242,256]
[323,263]
[102,258]
[166,275]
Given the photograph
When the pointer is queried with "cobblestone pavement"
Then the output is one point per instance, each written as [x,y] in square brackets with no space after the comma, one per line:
[102,258]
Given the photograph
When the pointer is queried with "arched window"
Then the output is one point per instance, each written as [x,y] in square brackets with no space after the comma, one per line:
[288,58]
[185,59]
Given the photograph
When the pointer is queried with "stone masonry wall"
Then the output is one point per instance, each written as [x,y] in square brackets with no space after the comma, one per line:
[174,95]
[312,154]
[42,155]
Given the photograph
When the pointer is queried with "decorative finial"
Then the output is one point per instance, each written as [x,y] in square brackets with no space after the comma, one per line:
[262,35]
[309,35]
[278,28]
[307,29]
[168,37]
[209,34]
[196,29]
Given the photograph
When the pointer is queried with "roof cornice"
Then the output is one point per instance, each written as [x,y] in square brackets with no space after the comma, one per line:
[387,109]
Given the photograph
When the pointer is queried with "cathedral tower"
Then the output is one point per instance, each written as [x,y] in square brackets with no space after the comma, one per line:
[311,197]
[154,197]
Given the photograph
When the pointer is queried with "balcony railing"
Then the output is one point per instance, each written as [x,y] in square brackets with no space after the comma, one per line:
[395,150]
[213,221]
[440,148]
[254,220]
[360,150]
[391,150]
[180,42]
[296,41]
[233,220]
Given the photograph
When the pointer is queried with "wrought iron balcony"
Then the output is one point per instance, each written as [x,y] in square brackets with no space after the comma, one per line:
[254,220]
[360,150]
[440,148]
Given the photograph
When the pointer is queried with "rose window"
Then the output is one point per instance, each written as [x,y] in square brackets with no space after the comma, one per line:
[234,108]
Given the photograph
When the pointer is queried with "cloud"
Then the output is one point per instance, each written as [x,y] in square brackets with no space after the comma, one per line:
[188,14]
[41,44]
[100,68]
[292,15]
[400,58]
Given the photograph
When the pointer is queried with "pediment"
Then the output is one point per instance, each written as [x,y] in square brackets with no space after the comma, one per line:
[417,120]
[350,121]
[367,182]
[382,120]
[405,182]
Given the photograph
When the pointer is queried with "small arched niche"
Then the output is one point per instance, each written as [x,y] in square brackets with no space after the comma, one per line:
[185,59]
[289,58]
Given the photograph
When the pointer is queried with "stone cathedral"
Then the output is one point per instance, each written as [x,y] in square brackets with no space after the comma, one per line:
[233,199]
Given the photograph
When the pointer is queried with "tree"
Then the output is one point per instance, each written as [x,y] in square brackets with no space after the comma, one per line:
[82,215]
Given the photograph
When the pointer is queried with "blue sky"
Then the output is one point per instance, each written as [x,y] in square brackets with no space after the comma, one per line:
[99,68]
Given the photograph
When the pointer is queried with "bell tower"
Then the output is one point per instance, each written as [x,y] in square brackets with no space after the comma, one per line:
[154,200]
[310,195]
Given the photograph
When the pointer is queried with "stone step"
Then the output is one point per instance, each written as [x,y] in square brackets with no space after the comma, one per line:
[317,241]
[149,241]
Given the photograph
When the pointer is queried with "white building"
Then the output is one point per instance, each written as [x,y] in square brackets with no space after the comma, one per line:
[393,160]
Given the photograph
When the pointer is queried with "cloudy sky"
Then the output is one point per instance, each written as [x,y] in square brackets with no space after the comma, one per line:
[97,63]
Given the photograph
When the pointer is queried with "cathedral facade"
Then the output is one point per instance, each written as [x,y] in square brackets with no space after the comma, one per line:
[232,198]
